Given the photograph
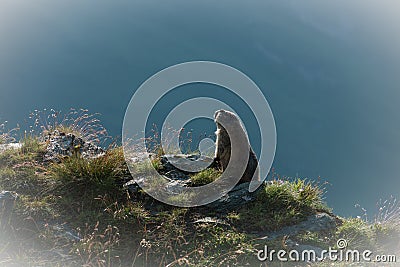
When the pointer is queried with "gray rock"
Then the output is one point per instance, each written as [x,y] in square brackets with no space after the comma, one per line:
[178,179]
[7,199]
[64,145]
[300,248]
[177,175]
[140,157]
[65,231]
[132,186]
[7,202]
[61,254]
[189,162]
[319,222]
[175,187]
[236,198]
[4,147]
[210,220]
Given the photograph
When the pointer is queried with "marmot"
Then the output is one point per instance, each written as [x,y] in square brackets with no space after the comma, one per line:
[223,144]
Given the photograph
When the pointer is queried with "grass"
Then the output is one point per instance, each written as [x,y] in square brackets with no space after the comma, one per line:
[357,233]
[3,138]
[114,230]
[156,163]
[204,177]
[360,235]
[20,169]
[281,203]
[118,228]
[96,246]
[79,122]
[100,173]
[31,145]
[6,136]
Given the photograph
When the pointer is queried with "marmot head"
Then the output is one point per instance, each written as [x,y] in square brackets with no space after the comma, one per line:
[224,117]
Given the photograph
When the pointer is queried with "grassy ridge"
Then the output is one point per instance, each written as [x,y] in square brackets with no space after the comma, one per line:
[116,228]
[105,225]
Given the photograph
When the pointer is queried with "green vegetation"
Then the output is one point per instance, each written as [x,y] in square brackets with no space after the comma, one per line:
[4,134]
[156,163]
[100,173]
[3,139]
[282,203]
[205,177]
[103,224]
[78,122]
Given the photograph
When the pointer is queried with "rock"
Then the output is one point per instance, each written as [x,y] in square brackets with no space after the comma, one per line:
[186,162]
[7,199]
[177,175]
[132,187]
[319,222]
[4,147]
[7,202]
[140,157]
[65,231]
[300,248]
[211,220]
[62,233]
[61,145]
[236,198]
[175,187]
[178,179]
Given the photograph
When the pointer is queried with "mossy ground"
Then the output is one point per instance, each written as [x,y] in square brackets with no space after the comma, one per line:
[118,228]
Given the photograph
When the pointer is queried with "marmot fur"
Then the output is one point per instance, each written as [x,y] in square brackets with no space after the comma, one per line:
[223,144]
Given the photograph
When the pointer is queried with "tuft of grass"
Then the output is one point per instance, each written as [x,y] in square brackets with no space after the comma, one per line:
[357,233]
[97,246]
[362,235]
[143,167]
[6,136]
[204,177]
[98,173]
[382,234]
[167,144]
[20,170]
[156,162]
[39,207]
[282,203]
[79,122]
[31,144]
[387,225]
[3,138]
